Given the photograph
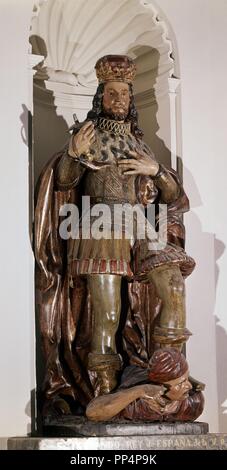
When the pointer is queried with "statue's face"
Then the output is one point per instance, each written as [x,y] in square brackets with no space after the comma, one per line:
[116,100]
[178,388]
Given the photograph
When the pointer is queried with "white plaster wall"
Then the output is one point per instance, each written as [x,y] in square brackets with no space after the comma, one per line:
[219,145]
[199,27]
[16,306]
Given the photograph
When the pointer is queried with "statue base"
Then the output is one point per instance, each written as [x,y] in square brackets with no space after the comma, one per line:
[118,443]
[74,426]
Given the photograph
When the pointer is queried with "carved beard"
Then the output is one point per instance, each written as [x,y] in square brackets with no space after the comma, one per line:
[116,117]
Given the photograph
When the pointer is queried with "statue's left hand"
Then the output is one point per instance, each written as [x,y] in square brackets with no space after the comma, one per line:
[140,164]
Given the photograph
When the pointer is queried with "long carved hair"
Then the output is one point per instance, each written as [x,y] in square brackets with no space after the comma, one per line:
[97,110]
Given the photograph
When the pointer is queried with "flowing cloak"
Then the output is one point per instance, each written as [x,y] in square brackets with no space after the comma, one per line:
[64,313]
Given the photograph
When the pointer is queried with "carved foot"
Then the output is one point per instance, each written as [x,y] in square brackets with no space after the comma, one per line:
[105,368]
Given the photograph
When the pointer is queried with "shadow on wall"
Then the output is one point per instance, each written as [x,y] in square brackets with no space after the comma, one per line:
[150,127]
[50,132]
[221,352]
[24,118]
[158,146]
[26,135]
[30,411]
[203,302]
[221,355]
[149,104]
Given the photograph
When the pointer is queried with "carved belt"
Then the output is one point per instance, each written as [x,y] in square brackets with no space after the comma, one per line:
[110,201]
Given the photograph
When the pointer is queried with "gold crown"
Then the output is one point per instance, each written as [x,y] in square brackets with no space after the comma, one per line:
[119,68]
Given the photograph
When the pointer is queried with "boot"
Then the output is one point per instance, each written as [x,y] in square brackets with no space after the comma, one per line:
[104,370]
[170,337]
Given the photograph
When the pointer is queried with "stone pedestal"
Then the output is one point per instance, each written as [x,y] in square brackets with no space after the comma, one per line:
[71,433]
[72,426]
[128,443]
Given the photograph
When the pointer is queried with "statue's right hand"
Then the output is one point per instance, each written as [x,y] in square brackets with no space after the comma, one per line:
[83,140]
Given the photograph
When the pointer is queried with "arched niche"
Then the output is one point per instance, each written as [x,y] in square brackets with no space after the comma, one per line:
[71,35]
[67,37]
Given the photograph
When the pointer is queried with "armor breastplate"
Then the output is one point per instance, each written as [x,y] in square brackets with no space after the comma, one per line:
[108,183]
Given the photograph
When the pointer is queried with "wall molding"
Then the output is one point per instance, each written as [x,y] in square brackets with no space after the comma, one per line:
[72,35]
